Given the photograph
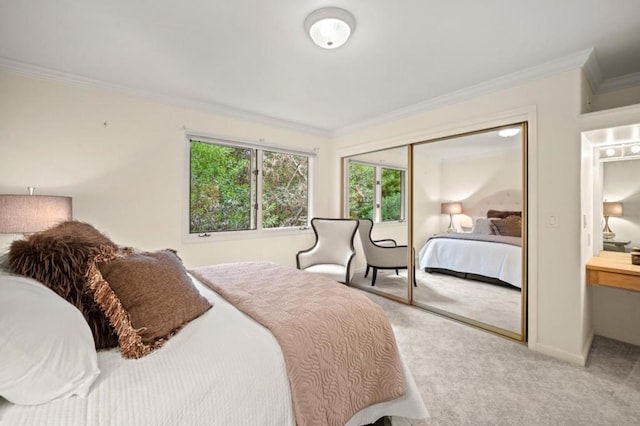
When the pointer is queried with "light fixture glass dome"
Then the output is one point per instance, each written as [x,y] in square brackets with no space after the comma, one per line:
[330,27]
[505,133]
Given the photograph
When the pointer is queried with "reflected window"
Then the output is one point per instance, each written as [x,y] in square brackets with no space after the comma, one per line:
[376,192]
[392,195]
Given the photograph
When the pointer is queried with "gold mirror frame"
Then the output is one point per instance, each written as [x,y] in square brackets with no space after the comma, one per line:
[522,335]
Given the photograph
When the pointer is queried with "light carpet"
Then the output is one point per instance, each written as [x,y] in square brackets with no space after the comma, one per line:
[488,303]
[471,377]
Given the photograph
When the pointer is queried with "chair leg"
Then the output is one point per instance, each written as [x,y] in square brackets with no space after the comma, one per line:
[375,275]
[366,272]
[397,273]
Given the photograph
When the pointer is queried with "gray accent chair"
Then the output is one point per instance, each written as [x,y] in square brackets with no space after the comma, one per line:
[333,251]
[381,254]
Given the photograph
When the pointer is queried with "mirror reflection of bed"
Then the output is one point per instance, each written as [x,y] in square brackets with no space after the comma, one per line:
[475,272]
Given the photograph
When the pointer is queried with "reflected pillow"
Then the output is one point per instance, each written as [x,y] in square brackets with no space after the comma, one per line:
[46,348]
[483,226]
[502,214]
[508,227]
[148,297]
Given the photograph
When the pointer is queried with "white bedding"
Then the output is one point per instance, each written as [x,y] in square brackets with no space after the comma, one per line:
[495,260]
[221,369]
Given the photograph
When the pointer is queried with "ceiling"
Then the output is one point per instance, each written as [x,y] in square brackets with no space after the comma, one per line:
[253,56]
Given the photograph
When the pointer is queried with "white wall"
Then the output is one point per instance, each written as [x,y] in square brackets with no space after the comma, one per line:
[469,180]
[552,106]
[427,219]
[128,177]
[629,95]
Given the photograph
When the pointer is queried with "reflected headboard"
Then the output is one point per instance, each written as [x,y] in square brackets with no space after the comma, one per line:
[508,199]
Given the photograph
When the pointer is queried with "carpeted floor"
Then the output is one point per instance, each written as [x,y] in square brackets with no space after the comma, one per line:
[488,303]
[471,377]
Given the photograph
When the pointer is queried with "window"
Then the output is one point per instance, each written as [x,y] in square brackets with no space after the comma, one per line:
[237,187]
[376,192]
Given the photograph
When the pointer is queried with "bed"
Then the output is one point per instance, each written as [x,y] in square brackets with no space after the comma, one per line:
[491,251]
[490,258]
[220,368]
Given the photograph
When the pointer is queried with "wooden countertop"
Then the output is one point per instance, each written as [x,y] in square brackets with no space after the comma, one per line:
[613,269]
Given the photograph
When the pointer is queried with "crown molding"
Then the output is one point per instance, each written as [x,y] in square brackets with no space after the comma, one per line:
[35,71]
[574,61]
[584,59]
[621,82]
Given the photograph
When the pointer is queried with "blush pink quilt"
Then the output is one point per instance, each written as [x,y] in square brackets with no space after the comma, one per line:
[339,348]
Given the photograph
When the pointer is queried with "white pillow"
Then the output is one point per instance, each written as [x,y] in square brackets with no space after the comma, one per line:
[483,226]
[46,347]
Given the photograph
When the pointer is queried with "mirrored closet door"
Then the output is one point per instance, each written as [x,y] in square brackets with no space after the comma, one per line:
[376,192]
[469,228]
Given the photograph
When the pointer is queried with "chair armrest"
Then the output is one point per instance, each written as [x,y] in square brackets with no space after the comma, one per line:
[389,257]
[387,242]
[315,256]
[304,258]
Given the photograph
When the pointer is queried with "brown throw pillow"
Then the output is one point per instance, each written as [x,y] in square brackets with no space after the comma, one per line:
[148,297]
[508,227]
[502,214]
[59,258]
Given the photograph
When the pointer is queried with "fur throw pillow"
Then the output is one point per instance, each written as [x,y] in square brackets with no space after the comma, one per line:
[59,258]
[502,214]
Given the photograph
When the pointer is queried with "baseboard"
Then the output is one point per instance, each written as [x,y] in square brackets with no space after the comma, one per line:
[579,359]
[587,345]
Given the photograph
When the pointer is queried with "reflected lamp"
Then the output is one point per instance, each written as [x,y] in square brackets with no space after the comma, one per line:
[451,208]
[610,209]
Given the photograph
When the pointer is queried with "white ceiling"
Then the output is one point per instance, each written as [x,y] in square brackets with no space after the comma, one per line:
[253,55]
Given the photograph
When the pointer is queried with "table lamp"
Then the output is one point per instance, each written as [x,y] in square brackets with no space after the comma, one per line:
[610,209]
[451,209]
[25,214]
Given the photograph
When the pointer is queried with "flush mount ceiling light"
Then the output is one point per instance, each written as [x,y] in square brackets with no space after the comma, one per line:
[330,27]
[512,131]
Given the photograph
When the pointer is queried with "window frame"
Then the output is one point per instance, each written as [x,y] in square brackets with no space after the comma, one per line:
[256,166]
[377,190]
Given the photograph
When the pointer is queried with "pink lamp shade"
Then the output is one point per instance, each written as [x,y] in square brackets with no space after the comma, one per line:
[24,214]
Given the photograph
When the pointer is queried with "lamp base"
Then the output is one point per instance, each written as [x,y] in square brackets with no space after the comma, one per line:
[607,233]
[451,228]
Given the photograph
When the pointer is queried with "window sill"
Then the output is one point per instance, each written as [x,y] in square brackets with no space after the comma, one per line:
[246,235]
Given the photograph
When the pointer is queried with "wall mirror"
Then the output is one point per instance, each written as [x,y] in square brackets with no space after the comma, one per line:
[621,201]
[469,228]
[375,187]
